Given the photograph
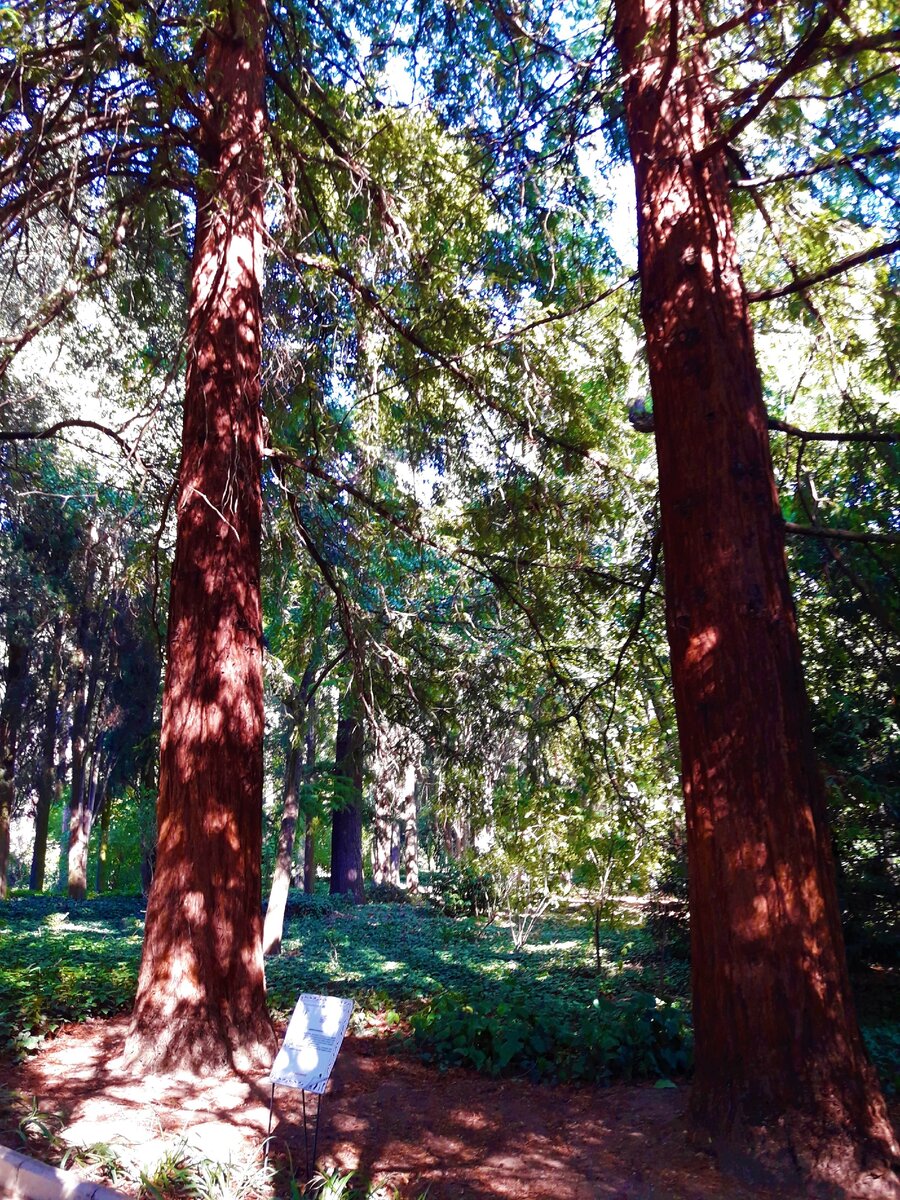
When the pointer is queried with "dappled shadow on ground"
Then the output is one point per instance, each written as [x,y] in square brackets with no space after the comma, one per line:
[393,1119]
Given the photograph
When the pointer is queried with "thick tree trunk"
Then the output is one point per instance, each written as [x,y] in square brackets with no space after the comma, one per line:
[201,990]
[782,1082]
[11,713]
[346,821]
[281,876]
[47,776]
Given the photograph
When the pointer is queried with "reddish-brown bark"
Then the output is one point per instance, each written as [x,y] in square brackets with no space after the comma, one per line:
[782,1081]
[201,990]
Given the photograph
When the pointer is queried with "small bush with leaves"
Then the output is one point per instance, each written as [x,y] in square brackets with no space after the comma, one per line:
[636,1038]
[461,890]
[386,893]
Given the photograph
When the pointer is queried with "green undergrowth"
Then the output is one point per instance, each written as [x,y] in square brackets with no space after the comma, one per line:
[454,986]
[551,1038]
[63,960]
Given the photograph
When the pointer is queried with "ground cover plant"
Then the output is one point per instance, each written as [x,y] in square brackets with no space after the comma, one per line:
[454,988]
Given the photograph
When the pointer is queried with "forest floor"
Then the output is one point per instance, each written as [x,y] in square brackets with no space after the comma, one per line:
[393,1120]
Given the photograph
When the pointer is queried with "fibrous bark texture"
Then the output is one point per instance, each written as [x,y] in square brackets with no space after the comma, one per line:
[201,991]
[782,1083]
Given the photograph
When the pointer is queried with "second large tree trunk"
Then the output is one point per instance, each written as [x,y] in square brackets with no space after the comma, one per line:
[201,991]
[782,1081]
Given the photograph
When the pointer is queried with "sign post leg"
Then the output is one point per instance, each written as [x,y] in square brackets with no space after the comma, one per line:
[316,1134]
[269,1130]
[315,1152]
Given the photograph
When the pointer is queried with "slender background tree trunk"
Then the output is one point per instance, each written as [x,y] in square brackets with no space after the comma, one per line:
[346,821]
[782,1081]
[201,991]
[281,876]
[47,776]
[309,829]
[11,713]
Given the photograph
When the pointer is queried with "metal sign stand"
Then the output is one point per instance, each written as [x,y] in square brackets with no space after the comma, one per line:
[307,1056]
[305,1130]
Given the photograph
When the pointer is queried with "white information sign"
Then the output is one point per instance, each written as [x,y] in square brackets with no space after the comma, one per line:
[312,1042]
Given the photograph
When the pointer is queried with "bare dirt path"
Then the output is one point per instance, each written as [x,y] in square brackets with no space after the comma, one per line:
[392,1119]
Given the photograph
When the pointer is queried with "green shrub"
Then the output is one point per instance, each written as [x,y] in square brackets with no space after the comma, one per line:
[65,961]
[460,890]
[300,905]
[639,1037]
[386,893]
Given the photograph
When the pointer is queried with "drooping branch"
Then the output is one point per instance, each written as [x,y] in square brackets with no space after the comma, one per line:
[838,268]
[73,287]
[51,431]
[815,435]
[885,150]
[643,422]
[843,535]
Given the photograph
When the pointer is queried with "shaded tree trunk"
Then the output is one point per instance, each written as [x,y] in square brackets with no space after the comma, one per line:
[409,815]
[301,706]
[81,799]
[309,835]
[309,855]
[11,714]
[385,829]
[346,821]
[201,989]
[47,776]
[64,750]
[87,670]
[102,807]
[782,1082]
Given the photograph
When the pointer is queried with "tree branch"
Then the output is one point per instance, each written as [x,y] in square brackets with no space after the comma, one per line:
[797,62]
[842,535]
[838,268]
[814,435]
[643,423]
[40,435]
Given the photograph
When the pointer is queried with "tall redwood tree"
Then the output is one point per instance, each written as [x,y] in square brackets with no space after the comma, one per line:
[782,1081]
[201,992]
